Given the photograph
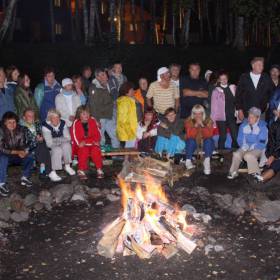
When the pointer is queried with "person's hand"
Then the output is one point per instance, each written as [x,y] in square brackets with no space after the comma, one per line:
[270,160]
[71,118]
[146,135]
[22,154]
[40,138]
[96,144]
[82,144]
[240,115]
[163,125]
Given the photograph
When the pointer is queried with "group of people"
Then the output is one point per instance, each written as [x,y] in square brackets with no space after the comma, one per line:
[69,122]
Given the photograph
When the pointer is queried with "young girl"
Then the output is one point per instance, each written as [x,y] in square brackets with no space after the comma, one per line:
[79,88]
[86,138]
[147,131]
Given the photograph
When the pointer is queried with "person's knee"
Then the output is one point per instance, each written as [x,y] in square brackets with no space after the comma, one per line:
[249,157]
[237,155]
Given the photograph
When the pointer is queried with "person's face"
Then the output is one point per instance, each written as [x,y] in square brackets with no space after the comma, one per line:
[274,73]
[194,71]
[198,117]
[148,117]
[165,77]
[102,77]
[207,78]
[84,116]
[78,83]
[68,87]
[143,84]
[118,69]
[257,67]
[29,117]
[26,81]
[2,77]
[223,79]
[130,92]
[252,119]
[50,78]
[15,75]
[171,117]
[11,124]
[175,72]
[55,120]
[87,73]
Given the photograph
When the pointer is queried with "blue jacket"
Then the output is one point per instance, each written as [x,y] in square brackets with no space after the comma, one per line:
[252,138]
[6,101]
[45,98]
[274,103]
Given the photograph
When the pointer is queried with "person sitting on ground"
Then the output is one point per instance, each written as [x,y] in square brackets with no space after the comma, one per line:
[12,73]
[272,153]
[24,98]
[147,131]
[67,102]
[163,93]
[199,132]
[223,110]
[129,112]
[46,92]
[252,140]
[6,95]
[79,88]
[58,140]
[13,150]
[37,146]
[141,93]
[170,133]
[86,76]
[86,137]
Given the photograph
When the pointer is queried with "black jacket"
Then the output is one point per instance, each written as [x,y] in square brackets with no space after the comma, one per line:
[247,96]
[273,145]
[176,128]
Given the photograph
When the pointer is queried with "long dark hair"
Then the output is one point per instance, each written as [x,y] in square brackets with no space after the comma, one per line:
[21,80]
[154,120]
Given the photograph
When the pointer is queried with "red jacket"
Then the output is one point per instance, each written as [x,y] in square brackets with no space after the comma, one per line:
[78,133]
[197,133]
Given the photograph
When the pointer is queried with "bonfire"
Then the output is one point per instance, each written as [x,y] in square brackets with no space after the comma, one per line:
[149,224]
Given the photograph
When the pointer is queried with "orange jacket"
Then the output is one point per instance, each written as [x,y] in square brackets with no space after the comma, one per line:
[138,96]
[199,132]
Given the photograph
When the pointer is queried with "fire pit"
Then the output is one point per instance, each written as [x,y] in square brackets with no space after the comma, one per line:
[148,225]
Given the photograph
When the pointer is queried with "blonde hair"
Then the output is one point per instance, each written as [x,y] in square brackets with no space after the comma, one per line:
[198,109]
[51,113]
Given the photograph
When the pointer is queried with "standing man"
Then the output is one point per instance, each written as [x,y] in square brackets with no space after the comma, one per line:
[46,92]
[275,75]
[254,89]
[101,106]
[163,93]
[194,91]
[117,72]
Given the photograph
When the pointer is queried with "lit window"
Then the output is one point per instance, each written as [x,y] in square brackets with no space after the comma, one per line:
[131,27]
[57,3]
[58,29]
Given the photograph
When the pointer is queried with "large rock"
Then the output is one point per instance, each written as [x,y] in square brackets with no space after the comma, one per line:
[267,211]
[30,200]
[94,193]
[238,206]
[5,214]
[224,201]
[16,202]
[62,192]
[201,192]
[45,198]
[20,216]
[79,194]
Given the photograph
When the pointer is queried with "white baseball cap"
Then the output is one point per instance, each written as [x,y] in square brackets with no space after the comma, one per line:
[161,71]
[67,81]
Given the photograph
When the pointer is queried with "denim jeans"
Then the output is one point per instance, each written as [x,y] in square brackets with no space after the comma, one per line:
[191,146]
[6,160]
[110,127]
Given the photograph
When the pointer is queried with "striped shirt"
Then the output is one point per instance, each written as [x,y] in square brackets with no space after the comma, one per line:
[163,98]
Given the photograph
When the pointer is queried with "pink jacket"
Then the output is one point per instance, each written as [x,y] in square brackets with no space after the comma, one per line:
[218,104]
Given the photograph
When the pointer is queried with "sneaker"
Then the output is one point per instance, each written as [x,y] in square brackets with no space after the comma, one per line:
[82,175]
[258,177]
[25,182]
[100,174]
[207,167]
[232,175]
[54,177]
[4,190]
[189,164]
[69,170]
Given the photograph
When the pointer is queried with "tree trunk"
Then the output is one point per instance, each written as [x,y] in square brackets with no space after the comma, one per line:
[77,20]
[153,22]
[112,22]
[91,21]
[174,27]
[13,25]
[209,25]
[122,21]
[97,17]
[143,27]
[200,17]
[52,23]
[132,3]
[72,22]
[186,28]
[239,33]
[85,19]
[218,20]
[9,11]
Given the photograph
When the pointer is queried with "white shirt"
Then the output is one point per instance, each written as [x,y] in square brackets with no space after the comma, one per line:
[177,82]
[69,102]
[255,78]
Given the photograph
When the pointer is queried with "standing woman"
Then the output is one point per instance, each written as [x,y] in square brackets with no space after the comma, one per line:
[223,110]
[80,89]
[12,73]
[24,97]
[127,119]
[141,92]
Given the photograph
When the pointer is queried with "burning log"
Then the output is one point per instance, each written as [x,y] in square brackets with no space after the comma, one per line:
[169,251]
